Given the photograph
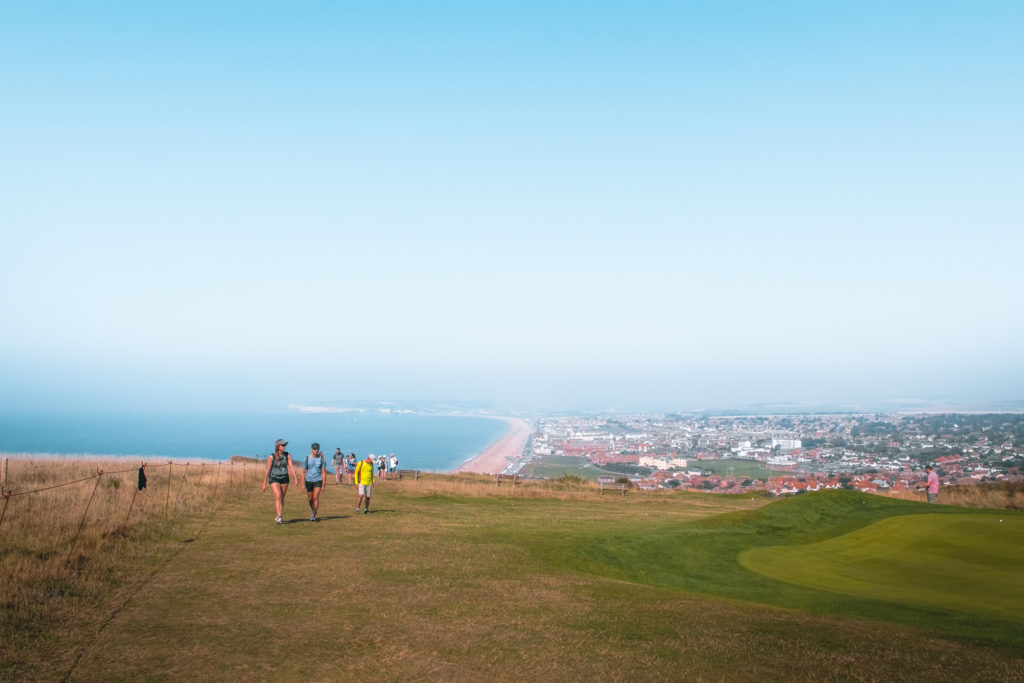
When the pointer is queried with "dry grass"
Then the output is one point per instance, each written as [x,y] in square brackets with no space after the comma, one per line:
[443,587]
[467,485]
[448,580]
[104,503]
[994,496]
[65,547]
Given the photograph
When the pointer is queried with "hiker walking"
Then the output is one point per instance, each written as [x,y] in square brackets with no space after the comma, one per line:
[364,482]
[313,474]
[279,465]
[338,462]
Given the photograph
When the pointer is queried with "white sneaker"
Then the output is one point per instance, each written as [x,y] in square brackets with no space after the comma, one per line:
[278,520]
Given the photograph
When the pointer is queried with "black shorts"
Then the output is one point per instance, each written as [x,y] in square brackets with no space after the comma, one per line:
[310,485]
[279,480]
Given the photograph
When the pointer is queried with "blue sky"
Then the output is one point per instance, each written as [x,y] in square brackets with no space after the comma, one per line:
[227,206]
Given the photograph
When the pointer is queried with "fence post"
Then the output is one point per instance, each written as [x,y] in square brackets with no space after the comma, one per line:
[167,508]
[99,475]
[7,499]
[182,485]
[124,526]
[3,472]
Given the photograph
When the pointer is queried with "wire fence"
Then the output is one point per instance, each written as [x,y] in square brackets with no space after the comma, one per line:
[59,509]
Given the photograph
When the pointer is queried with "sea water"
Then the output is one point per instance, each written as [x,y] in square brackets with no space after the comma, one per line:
[436,443]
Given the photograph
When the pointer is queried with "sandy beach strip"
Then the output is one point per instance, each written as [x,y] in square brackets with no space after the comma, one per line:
[503,451]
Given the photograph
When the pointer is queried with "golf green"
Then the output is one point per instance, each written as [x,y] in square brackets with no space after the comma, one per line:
[967,562]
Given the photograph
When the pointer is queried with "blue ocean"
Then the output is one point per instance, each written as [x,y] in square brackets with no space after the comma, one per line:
[437,443]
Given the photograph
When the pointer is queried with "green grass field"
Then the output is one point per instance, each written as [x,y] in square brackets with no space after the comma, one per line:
[554,466]
[732,467]
[966,563]
[453,579]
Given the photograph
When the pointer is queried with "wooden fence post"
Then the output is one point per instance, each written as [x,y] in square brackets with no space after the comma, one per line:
[99,475]
[3,472]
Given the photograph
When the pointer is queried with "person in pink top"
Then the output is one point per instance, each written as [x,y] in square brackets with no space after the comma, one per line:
[932,488]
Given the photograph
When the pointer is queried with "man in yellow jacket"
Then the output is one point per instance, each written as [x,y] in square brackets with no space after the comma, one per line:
[364,482]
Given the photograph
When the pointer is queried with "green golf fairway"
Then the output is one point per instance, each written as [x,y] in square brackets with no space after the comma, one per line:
[969,563]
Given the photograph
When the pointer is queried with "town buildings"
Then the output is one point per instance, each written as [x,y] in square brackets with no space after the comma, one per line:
[787,453]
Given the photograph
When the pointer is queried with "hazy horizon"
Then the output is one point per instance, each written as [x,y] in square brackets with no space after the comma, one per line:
[226,207]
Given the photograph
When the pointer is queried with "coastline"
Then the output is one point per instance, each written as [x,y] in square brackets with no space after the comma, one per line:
[503,451]
[493,459]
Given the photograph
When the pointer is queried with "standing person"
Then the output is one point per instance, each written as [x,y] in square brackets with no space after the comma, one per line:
[279,464]
[350,466]
[338,462]
[313,471]
[364,482]
[382,469]
[394,464]
[932,485]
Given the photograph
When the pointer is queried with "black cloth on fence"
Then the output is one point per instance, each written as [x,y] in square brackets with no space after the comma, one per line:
[142,478]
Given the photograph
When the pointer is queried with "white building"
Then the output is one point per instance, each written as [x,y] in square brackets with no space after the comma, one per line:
[661,463]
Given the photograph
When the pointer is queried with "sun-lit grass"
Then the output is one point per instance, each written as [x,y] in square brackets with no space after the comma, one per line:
[966,563]
[66,549]
[454,578]
[733,467]
[554,466]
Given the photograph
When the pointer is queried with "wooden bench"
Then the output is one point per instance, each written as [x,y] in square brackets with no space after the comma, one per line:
[506,478]
[603,486]
[415,474]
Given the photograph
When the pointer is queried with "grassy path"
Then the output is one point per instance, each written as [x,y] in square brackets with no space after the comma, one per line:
[497,587]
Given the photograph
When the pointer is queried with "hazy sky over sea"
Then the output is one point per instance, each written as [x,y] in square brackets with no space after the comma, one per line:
[220,205]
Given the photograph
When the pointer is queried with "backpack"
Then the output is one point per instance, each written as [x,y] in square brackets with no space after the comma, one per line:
[279,468]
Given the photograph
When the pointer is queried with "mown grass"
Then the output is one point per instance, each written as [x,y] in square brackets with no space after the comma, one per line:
[703,557]
[554,466]
[452,578]
[964,563]
[740,469]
